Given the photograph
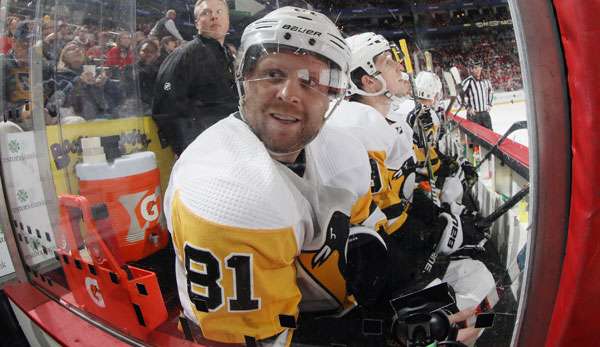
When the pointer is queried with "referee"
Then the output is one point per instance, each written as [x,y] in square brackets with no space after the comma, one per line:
[477,96]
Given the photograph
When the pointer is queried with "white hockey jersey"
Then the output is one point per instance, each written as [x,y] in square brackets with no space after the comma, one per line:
[389,152]
[255,242]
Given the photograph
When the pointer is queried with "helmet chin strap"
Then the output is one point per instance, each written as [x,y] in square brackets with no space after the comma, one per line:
[382,91]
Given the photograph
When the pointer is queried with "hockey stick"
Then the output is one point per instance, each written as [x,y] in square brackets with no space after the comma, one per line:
[516,126]
[453,81]
[410,71]
[486,222]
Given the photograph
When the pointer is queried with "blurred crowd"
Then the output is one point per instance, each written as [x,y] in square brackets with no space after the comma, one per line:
[91,72]
[498,55]
[88,71]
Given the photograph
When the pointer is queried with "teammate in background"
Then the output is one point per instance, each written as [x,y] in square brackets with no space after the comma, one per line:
[259,205]
[376,79]
[470,278]
[195,86]
[404,91]
[477,96]
[166,27]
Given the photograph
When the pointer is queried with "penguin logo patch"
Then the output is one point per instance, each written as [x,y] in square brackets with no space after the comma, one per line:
[167,86]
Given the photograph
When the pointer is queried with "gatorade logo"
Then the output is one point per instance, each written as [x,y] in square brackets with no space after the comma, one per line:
[144,210]
[91,285]
[148,209]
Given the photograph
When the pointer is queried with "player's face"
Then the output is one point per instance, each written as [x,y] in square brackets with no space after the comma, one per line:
[283,103]
[390,71]
[212,19]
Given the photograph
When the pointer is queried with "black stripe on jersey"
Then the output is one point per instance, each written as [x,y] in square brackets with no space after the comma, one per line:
[372,208]
[287,321]
[395,210]
[250,341]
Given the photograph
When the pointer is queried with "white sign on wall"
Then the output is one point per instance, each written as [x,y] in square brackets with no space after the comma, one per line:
[6,265]
[26,198]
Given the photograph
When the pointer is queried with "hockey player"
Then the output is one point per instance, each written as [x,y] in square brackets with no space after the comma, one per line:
[375,80]
[265,209]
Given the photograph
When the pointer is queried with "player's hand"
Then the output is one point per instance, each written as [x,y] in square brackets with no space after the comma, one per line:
[470,111]
[423,207]
[471,175]
[420,114]
[449,166]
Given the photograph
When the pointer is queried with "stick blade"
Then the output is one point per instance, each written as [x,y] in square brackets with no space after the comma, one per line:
[456,75]
[450,83]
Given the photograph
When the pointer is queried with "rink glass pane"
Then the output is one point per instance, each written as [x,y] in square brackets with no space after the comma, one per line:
[50,109]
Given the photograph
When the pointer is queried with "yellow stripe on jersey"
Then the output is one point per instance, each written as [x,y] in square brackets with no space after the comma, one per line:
[239,280]
[327,274]
[386,188]
[433,157]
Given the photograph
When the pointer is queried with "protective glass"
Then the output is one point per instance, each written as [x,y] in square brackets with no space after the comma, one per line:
[331,81]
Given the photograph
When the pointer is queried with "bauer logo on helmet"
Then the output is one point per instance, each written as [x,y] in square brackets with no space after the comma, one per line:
[301,30]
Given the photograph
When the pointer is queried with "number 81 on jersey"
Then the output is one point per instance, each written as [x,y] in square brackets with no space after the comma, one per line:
[204,280]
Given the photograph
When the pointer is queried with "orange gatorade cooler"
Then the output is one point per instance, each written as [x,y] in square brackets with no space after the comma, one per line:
[130,188]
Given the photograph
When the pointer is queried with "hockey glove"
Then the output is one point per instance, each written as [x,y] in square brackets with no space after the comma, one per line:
[452,235]
[449,166]
[420,113]
[366,263]
[471,175]
[423,207]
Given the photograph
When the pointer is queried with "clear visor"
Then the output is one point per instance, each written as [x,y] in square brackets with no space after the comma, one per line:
[313,75]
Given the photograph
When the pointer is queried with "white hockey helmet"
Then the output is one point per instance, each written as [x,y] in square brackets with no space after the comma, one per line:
[365,47]
[300,31]
[427,85]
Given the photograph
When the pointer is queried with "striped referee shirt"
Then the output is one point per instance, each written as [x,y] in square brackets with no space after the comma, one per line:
[477,94]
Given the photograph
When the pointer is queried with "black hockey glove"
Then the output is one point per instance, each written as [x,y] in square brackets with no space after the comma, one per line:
[366,266]
[421,113]
[449,166]
[471,175]
[423,207]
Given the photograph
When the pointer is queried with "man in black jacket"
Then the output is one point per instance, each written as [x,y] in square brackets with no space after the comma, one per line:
[195,86]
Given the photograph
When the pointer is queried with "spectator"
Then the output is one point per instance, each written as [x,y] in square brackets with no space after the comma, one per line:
[121,55]
[17,80]
[6,42]
[99,51]
[147,70]
[167,45]
[139,37]
[166,26]
[195,85]
[89,93]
